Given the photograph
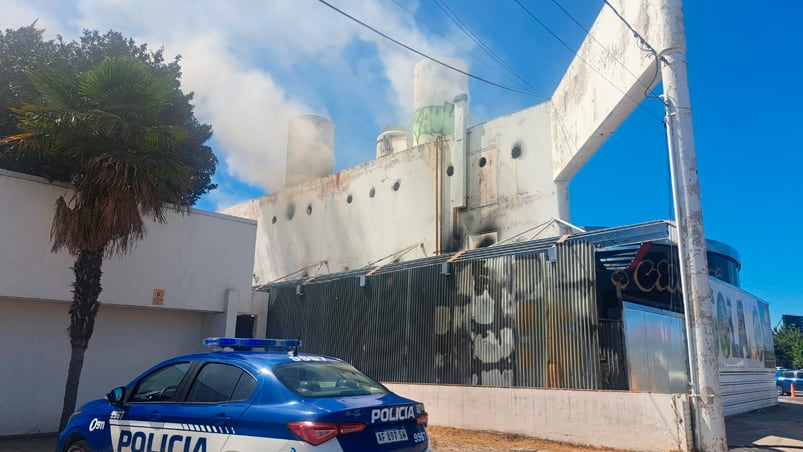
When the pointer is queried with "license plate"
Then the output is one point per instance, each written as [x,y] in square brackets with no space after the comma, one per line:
[391,436]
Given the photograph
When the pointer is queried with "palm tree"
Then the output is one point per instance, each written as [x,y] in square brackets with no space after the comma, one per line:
[107,126]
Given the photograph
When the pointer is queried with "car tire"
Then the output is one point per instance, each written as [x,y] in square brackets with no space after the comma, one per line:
[79,446]
[780,390]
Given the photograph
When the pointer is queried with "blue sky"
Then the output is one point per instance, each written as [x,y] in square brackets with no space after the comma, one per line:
[254,64]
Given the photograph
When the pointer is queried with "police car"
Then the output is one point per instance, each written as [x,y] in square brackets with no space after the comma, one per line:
[234,400]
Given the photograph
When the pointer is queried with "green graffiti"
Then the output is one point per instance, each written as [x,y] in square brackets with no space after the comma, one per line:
[433,120]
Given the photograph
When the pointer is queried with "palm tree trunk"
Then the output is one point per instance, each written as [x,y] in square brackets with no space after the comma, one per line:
[85,304]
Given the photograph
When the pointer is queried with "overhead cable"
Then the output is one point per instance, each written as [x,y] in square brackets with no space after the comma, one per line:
[473,36]
[583,60]
[422,54]
[465,51]
[588,32]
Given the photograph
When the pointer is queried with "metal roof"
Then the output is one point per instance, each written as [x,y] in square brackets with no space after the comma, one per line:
[656,231]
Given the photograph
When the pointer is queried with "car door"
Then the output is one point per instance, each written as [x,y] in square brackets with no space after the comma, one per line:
[786,380]
[138,425]
[217,396]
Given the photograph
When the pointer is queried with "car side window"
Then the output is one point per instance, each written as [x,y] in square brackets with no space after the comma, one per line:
[788,375]
[160,385]
[218,382]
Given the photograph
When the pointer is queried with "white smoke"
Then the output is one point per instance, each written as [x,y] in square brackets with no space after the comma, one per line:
[232,51]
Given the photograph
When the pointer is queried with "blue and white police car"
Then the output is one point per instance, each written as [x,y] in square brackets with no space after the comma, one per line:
[230,400]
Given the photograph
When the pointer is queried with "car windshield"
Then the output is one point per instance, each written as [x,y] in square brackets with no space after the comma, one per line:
[326,379]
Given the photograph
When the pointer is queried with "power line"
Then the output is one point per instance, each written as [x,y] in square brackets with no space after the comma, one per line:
[473,36]
[635,33]
[583,60]
[643,42]
[465,51]
[588,32]
[422,54]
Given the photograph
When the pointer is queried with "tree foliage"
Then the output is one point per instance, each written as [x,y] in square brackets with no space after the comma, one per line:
[124,154]
[24,52]
[788,347]
[109,118]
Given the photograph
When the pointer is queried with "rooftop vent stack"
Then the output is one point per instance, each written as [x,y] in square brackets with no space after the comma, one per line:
[310,149]
[434,90]
[393,139]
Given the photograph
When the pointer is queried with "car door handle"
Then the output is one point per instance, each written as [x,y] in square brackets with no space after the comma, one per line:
[155,416]
[221,418]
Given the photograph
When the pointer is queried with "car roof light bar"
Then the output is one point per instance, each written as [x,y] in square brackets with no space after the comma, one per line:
[241,342]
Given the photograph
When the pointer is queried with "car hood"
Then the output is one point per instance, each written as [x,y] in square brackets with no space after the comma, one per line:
[99,403]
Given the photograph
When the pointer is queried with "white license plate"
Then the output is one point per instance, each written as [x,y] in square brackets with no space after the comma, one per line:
[391,436]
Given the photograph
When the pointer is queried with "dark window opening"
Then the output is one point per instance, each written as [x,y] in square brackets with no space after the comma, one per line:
[217,383]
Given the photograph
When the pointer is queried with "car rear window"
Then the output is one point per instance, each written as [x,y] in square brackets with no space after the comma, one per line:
[326,379]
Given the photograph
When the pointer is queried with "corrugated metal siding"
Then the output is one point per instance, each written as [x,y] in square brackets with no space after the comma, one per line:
[747,389]
[511,320]
[612,347]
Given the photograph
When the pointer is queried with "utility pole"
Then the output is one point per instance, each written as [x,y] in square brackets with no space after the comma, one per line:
[706,399]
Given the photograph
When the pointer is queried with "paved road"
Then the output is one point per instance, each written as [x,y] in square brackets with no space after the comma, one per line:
[777,429]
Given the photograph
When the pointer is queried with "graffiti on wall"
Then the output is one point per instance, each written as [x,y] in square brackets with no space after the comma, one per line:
[433,120]
[648,276]
[498,321]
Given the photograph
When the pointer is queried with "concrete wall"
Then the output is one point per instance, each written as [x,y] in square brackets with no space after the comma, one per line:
[36,353]
[590,104]
[511,195]
[620,420]
[203,261]
[303,225]
[195,258]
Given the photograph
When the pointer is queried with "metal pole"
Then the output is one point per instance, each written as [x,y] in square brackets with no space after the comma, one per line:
[706,400]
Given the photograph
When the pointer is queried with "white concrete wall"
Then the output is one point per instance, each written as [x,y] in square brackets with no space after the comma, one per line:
[347,235]
[204,262]
[511,195]
[36,352]
[621,420]
[590,104]
[195,258]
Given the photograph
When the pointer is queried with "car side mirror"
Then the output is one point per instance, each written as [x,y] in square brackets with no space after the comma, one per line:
[116,396]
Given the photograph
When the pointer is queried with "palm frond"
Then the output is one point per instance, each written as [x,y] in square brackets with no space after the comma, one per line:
[109,122]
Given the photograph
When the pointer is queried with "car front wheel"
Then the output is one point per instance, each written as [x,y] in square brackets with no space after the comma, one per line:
[79,446]
[779,389]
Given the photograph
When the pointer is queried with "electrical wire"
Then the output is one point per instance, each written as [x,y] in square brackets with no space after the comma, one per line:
[643,42]
[583,60]
[424,55]
[487,49]
[465,51]
[610,54]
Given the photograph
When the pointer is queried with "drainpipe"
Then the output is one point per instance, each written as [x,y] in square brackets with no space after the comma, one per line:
[706,399]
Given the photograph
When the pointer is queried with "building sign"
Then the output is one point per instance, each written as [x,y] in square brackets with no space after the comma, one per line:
[742,328]
[158,297]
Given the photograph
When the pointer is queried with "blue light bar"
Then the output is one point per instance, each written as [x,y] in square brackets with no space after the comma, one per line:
[234,342]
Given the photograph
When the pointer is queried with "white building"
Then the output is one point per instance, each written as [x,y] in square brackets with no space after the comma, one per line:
[200,264]
[445,184]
